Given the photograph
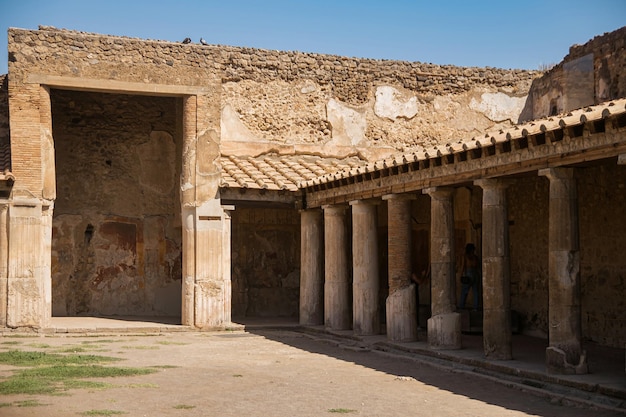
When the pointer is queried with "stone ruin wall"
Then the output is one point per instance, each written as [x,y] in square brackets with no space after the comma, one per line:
[291,101]
[276,100]
[592,73]
[339,106]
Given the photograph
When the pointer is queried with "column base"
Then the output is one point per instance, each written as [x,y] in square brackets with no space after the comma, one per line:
[444,331]
[402,315]
[557,363]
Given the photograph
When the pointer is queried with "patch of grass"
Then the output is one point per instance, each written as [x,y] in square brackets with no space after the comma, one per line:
[22,358]
[99,341]
[5,405]
[142,386]
[237,375]
[53,373]
[62,372]
[28,403]
[101,413]
[141,347]
[167,342]
[341,410]
[40,345]
[184,407]
[11,342]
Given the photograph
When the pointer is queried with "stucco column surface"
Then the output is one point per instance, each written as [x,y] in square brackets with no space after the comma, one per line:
[496,270]
[365,268]
[188,199]
[401,305]
[444,327]
[565,353]
[337,286]
[25,287]
[311,267]
[4,259]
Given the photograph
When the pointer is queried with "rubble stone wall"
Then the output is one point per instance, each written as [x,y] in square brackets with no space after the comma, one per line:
[339,104]
[592,73]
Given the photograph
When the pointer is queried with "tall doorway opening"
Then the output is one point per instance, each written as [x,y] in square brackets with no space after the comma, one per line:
[116,238]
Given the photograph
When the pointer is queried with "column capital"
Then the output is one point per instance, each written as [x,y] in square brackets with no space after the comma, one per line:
[310,210]
[557,173]
[491,183]
[369,202]
[334,207]
[439,192]
[401,196]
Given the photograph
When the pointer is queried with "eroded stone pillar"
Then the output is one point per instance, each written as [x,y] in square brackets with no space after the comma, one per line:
[564,353]
[401,306]
[24,280]
[227,262]
[365,268]
[311,267]
[444,327]
[46,260]
[496,270]
[188,204]
[188,266]
[337,288]
[4,259]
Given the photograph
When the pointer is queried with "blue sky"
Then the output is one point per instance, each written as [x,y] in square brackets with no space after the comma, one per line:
[505,34]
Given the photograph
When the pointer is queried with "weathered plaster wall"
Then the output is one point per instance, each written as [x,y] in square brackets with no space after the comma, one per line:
[590,74]
[277,99]
[116,227]
[528,235]
[602,198]
[286,100]
[265,262]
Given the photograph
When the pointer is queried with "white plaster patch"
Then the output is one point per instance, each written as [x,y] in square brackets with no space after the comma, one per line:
[499,107]
[308,87]
[233,129]
[392,104]
[348,125]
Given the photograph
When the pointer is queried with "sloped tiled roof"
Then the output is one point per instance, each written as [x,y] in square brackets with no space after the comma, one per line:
[279,172]
[511,135]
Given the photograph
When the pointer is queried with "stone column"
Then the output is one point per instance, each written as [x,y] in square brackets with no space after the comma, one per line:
[337,297]
[496,271]
[46,262]
[311,267]
[4,259]
[444,327]
[228,288]
[24,281]
[401,306]
[565,353]
[365,268]
[188,203]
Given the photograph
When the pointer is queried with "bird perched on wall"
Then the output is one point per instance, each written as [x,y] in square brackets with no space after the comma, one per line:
[203,42]
[187,40]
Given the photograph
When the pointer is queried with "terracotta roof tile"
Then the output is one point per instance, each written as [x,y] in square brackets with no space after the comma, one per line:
[571,119]
[279,172]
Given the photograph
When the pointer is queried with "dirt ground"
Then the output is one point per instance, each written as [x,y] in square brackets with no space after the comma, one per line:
[271,373]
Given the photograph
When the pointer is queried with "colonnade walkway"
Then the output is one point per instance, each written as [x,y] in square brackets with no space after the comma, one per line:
[604,385]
